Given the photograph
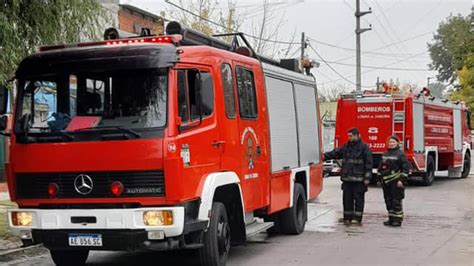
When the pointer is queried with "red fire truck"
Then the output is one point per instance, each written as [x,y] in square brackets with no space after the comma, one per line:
[179,141]
[435,133]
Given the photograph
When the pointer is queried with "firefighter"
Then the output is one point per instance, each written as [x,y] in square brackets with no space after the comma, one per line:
[356,173]
[393,172]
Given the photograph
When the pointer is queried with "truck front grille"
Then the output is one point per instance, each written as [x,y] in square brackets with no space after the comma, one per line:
[136,184]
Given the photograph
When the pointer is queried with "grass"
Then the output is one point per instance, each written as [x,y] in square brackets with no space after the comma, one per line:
[4,205]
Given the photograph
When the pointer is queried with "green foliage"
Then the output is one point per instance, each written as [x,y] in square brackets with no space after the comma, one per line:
[452,42]
[466,81]
[27,24]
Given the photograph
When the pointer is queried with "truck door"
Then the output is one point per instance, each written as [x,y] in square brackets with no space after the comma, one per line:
[199,131]
[252,138]
[228,121]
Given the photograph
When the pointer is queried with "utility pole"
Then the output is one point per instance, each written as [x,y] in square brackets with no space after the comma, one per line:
[358,32]
[303,46]
[428,81]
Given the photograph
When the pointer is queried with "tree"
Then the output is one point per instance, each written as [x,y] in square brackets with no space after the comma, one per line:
[466,81]
[437,89]
[203,15]
[27,24]
[265,31]
[450,47]
[330,94]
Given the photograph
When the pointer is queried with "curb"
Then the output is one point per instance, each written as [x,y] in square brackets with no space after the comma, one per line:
[15,254]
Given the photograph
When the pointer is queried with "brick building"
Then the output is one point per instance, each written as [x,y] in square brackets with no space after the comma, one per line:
[130,18]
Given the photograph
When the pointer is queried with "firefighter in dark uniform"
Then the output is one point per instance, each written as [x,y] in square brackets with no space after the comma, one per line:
[393,172]
[356,173]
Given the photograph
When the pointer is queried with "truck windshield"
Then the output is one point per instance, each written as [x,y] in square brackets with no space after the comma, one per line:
[128,101]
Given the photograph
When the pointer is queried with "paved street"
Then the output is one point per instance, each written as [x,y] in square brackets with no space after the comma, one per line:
[438,230]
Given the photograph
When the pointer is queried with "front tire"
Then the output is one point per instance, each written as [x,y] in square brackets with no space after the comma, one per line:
[69,257]
[216,239]
[292,221]
[467,166]
[428,177]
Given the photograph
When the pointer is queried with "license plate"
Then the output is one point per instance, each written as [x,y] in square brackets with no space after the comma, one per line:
[85,240]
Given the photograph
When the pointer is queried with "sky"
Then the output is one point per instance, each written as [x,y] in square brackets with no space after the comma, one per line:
[397,42]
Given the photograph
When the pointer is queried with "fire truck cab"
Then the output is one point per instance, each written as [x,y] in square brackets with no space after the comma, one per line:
[166,142]
[435,133]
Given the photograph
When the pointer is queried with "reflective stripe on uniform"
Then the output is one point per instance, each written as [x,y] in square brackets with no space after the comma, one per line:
[391,177]
[396,214]
[358,214]
[353,178]
[354,161]
[385,157]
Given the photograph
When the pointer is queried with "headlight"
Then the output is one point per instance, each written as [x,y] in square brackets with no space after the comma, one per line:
[20,218]
[157,218]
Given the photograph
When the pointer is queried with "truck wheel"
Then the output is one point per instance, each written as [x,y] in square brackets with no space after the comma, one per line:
[467,166]
[69,257]
[216,239]
[428,176]
[293,220]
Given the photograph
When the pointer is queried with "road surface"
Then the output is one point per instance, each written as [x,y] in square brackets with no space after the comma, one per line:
[438,230]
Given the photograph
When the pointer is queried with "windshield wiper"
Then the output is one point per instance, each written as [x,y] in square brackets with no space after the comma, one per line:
[123,129]
[64,134]
[53,133]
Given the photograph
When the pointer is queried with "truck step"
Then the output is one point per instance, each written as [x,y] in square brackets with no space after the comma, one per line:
[257,227]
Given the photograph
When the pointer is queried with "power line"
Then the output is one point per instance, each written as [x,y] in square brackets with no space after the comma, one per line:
[386,46]
[364,52]
[333,69]
[316,41]
[390,26]
[380,67]
[226,28]
[394,42]
[368,71]
[328,44]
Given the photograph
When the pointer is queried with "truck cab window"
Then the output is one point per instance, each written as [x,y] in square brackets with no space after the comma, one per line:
[82,101]
[246,93]
[228,87]
[188,96]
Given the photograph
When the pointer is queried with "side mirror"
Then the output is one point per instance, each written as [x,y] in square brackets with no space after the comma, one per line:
[3,123]
[3,99]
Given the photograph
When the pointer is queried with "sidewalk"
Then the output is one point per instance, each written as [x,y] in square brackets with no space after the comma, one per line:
[7,241]
[4,192]
[3,187]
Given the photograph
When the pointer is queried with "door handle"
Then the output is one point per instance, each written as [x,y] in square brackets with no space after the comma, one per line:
[218,143]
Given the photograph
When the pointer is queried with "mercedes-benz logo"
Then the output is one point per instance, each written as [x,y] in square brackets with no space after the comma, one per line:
[83,184]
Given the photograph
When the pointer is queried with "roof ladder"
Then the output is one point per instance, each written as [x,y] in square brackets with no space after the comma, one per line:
[398,119]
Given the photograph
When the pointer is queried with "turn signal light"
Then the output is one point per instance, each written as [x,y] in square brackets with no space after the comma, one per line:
[157,218]
[53,190]
[117,188]
[22,218]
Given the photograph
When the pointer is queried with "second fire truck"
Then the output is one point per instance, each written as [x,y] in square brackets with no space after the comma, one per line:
[435,133]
